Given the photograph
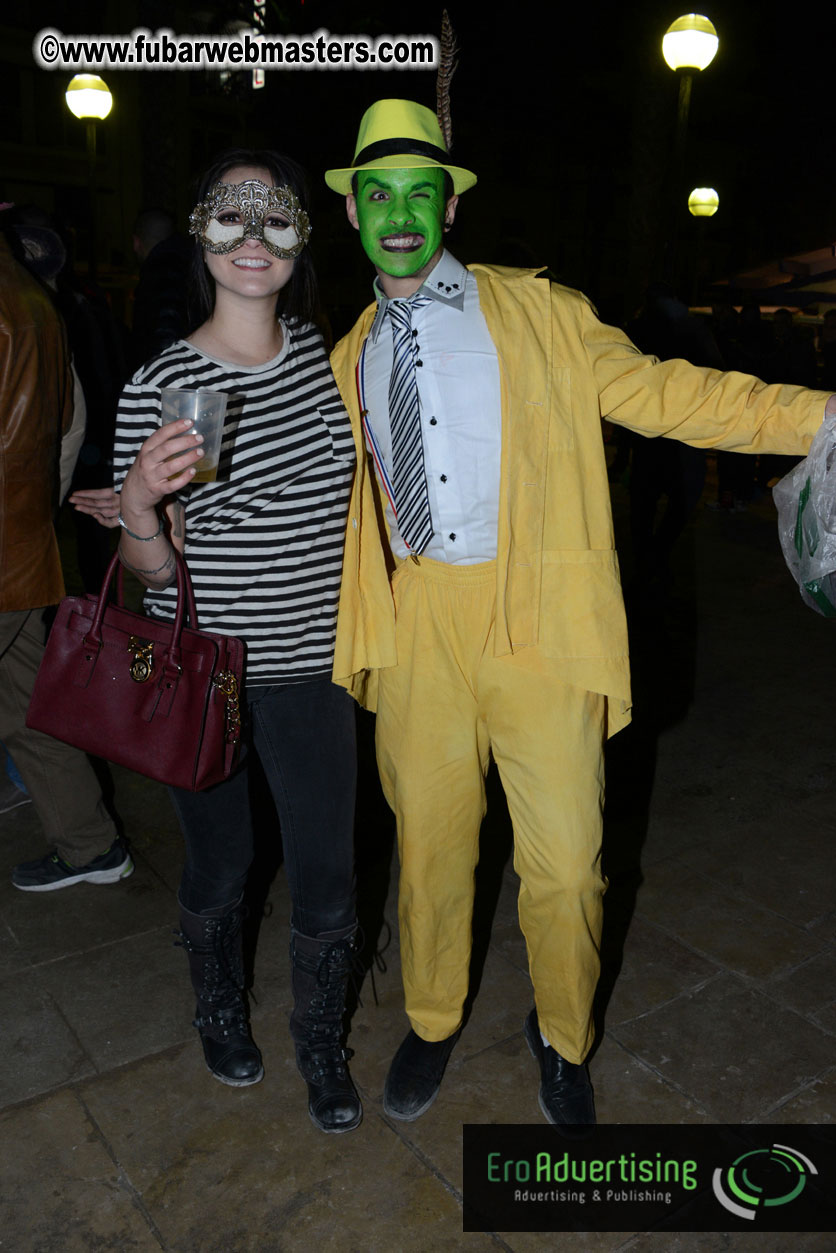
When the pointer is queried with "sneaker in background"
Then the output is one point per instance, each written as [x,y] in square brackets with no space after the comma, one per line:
[53,872]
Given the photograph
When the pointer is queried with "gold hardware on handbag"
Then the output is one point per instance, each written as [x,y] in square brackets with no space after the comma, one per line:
[143,662]
[227,684]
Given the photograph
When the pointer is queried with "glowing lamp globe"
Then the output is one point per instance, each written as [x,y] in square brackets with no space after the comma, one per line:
[690,43]
[703,202]
[88,96]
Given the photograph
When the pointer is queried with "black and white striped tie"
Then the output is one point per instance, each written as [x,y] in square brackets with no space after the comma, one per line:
[409,479]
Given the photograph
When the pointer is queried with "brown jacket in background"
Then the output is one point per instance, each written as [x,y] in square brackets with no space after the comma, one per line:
[36,402]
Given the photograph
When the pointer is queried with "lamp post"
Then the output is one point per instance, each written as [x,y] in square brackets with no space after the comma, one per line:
[689,45]
[703,203]
[89,99]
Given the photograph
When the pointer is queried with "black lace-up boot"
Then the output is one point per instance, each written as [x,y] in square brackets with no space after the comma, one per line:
[216,964]
[321,966]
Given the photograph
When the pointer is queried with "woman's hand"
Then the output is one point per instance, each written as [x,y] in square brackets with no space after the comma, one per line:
[163,465]
[102,503]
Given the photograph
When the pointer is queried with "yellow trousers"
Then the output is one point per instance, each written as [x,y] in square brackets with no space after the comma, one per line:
[442,710]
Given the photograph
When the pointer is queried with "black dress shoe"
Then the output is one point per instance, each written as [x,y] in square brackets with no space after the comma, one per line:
[415,1075]
[565,1090]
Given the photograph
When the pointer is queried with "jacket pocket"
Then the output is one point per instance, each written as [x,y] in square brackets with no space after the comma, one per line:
[561,426]
[581,606]
[334,415]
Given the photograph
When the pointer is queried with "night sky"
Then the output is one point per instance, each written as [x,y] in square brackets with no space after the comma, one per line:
[567,115]
[568,112]
[552,104]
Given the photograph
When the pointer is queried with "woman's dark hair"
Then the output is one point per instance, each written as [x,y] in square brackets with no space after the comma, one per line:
[298,299]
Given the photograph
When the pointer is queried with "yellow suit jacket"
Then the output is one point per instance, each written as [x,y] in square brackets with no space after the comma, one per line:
[558,596]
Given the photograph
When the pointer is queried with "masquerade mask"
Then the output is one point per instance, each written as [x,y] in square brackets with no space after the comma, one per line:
[235,212]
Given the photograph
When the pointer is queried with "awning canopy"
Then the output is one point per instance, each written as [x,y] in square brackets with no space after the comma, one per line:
[807,278]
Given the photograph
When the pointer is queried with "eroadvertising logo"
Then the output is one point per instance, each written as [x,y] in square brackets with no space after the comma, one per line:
[773,1176]
[650,1178]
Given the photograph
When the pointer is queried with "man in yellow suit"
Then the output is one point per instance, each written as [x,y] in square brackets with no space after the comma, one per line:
[481,610]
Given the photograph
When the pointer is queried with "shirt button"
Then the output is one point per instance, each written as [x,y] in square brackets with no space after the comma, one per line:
[419,363]
[444,478]
[433,421]
[452,535]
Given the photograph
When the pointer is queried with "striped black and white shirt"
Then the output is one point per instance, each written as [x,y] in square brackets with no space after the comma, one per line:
[264,543]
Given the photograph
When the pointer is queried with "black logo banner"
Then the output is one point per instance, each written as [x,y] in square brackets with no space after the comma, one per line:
[689,1177]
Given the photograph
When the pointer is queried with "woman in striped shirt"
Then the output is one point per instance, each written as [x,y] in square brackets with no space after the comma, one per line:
[264,546]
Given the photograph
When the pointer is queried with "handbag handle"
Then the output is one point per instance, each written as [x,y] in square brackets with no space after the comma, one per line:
[185,600]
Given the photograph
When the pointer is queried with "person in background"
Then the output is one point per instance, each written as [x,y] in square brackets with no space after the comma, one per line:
[96,345]
[827,345]
[159,306]
[13,792]
[36,407]
[665,467]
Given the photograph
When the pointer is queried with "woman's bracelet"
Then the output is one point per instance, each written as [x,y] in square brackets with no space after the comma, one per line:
[146,539]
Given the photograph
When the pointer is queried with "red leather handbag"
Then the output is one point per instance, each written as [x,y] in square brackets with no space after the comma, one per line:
[159,697]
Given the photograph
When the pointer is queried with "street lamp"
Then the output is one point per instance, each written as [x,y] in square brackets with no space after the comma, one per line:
[703,202]
[688,46]
[89,98]
[690,43]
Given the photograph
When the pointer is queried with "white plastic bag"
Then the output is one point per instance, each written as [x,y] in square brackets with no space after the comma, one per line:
[806,503]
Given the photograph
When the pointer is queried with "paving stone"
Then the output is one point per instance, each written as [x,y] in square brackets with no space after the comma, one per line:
[628,1091]
[791,877]
[77,919]
[727,928]
[124,1000]
[62,1190]
[654,969]
[730,1045]
[816,1102]
[720,1241]
[223,1169]
[720,929]
[810,989]
[41,1050]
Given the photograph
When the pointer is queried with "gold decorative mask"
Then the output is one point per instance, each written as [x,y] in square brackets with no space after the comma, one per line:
[235,212]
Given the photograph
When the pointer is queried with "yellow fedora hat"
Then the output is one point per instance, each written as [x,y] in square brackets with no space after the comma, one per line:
[399,135]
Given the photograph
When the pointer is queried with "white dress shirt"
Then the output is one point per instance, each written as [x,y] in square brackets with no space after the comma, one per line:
[459,396]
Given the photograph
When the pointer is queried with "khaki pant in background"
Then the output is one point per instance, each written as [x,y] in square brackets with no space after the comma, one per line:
[446,706]
[60,780]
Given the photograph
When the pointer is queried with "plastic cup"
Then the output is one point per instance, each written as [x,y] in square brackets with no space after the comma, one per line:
[206,410]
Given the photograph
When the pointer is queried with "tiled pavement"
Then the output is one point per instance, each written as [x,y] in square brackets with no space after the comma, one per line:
[717,996]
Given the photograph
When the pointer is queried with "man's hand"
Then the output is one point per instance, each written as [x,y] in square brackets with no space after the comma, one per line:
[102,503]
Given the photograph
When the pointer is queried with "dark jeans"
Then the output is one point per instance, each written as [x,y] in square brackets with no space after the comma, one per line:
[304,734]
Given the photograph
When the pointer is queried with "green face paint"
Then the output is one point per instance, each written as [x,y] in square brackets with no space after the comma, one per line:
[400,214]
